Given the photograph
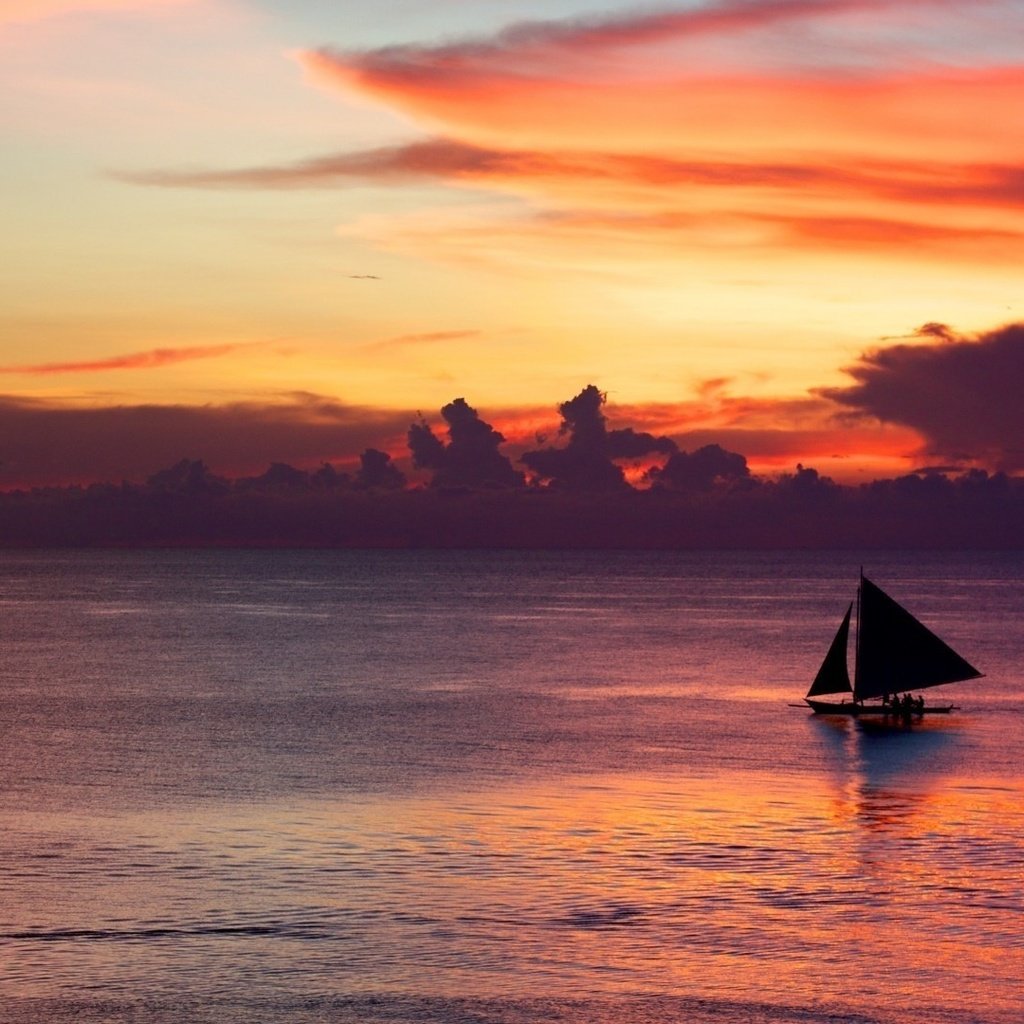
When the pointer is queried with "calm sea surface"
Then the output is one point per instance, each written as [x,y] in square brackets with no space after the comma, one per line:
[497,787]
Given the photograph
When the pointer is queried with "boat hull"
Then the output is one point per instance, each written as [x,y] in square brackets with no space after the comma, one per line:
[828,707]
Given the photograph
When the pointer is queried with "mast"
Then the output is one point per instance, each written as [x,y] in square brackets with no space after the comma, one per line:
[856,641]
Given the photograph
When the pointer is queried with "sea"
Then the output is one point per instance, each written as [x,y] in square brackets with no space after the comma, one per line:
[499,787]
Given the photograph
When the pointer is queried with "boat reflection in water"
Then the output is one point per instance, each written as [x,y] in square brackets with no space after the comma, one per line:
[918,845]
[880,767]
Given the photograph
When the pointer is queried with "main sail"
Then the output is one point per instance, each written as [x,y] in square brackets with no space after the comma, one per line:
[833,676]
[895,652]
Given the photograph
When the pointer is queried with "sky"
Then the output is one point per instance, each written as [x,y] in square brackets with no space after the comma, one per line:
[251,230]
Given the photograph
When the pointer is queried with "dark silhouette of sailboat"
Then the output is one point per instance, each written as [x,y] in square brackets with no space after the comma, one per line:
[893,654]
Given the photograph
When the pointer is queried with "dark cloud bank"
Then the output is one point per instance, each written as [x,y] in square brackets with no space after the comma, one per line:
[571,490]
[964,395]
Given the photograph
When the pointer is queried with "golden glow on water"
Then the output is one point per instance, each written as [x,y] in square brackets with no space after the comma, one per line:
[616,883]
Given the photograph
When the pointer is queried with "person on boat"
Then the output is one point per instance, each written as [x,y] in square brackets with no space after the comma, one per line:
[919,704]
[908,703]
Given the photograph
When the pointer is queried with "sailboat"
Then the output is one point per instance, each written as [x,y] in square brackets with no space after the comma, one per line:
[893,653]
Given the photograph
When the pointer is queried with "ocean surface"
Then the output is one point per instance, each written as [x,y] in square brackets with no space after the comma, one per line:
[498,788]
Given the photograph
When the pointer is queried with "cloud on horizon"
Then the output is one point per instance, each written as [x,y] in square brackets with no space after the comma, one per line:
[54,443]
[50,443]
[939,397]
[470,458]
[962,393]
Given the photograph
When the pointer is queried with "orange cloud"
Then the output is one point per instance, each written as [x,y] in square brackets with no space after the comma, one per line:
[922,208]
[775,433]
[712,79]
[750,229]
[641,242]
[736,114]
[131,360]
[661,133]
[978,244]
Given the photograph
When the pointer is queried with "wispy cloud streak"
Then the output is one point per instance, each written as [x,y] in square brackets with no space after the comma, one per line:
[449,160]
[132,360]
[421,338]
[849,131]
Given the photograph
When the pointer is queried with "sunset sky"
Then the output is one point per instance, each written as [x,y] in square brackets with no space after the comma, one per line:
[255,230]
